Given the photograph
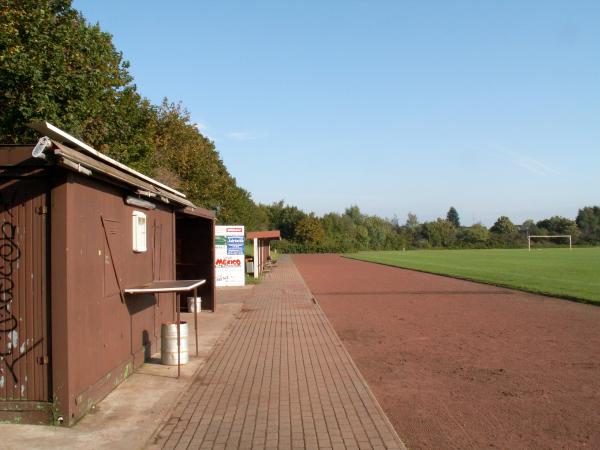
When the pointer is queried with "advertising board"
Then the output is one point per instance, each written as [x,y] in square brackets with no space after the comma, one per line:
[229,255]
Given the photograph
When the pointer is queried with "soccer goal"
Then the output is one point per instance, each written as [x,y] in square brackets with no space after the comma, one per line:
[564,236]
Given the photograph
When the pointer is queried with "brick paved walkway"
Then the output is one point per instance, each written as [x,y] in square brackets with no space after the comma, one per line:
[281,379]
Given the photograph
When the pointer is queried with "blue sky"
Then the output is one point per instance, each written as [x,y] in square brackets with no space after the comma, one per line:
[396,106]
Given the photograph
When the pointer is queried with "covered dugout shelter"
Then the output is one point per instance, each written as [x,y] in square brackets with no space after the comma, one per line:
[262,248]
[77,230]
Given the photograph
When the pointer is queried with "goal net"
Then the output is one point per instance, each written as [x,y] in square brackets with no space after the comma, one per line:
[561,236]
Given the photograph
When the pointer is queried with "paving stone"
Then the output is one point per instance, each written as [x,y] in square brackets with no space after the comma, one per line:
[281,379]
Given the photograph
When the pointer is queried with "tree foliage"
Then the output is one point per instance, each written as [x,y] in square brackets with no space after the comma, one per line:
[503,226]
[558,225]
[354,231]
[477,235]
[440,233]
[588,221]
[310,231]
[189,160]
[284,218]
[56,67]
[412,221]
[452,217]
[529,227]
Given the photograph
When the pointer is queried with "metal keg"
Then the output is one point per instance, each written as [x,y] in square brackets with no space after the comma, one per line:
[168,340]
[194,306]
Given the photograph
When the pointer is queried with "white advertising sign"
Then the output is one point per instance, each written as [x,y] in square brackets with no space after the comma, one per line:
[229,255]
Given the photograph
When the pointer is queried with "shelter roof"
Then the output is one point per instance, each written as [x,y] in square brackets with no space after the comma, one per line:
[270,235]
[196,211]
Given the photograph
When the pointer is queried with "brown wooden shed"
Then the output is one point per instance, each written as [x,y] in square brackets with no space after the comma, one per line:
[68,217]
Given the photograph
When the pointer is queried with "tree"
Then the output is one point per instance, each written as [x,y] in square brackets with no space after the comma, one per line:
[559,225]
[310,231]
[380,232]
[588,221]
[503,226]
[410,230]
[362,238]
[411,221]
[354,213]
[453,217]
[476,235]
[530,227]
[284,218]
[339,232]
[441,233]
[185,158]
[56,67]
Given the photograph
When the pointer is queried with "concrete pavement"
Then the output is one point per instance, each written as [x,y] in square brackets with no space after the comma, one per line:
[128,416]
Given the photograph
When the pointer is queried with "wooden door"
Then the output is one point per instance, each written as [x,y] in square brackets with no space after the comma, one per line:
[24,327]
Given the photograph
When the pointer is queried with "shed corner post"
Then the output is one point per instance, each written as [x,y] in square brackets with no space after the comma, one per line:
[196,317]
[60,384]
[256,258]
[213,278]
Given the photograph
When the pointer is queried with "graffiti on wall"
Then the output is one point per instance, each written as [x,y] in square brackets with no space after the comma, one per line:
[16,345]
[10,254]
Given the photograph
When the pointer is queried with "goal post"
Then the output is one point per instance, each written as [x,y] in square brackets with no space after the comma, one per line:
[566,236]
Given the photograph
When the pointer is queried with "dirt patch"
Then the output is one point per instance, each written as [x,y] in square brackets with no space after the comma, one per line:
[457,364]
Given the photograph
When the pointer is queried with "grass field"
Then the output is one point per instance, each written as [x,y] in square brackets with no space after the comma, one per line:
[573,274]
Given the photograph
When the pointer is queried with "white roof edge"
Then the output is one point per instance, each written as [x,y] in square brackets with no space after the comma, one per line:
[56,133]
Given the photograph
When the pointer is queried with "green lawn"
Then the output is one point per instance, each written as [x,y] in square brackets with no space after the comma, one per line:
[573,274]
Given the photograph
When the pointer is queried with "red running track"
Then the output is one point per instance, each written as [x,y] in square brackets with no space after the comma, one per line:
[457,364]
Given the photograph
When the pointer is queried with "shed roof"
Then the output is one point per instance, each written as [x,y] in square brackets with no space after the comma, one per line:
[47,129]
[270,234]
[80,157]
[75,160]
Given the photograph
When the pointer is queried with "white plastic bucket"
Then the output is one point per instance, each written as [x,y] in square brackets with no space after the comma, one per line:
[168,340]
[194,306]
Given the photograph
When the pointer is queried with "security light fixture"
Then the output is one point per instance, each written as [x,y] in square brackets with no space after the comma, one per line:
[42,144]
[134,201]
